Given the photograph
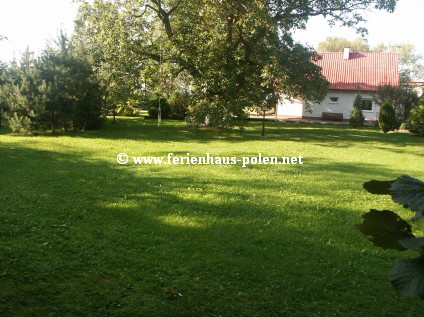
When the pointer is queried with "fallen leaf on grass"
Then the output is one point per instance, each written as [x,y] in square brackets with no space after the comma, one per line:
[172,293]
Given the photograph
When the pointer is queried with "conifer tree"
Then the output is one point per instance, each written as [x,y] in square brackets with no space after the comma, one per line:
[26,96]
[387,118]
[356,116]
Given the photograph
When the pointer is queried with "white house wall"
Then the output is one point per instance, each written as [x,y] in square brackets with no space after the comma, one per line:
[290,108]
[344,104]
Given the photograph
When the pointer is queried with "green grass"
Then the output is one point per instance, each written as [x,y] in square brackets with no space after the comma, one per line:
[81,235]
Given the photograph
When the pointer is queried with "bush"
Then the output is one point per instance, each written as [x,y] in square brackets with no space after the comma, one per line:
[179,104]
[127,110]
[402,100]
[387,118]
[416,119]
[403,126]
[356,117]
[153,105]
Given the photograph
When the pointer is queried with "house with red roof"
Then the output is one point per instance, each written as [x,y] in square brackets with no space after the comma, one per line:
[347,72]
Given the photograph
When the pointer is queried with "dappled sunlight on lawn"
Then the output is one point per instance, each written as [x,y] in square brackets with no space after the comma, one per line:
[263,233]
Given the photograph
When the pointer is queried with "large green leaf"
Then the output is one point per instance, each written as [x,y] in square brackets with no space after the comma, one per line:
[378,187]
[385,229]
[409,192]
[412,243]
[407,277]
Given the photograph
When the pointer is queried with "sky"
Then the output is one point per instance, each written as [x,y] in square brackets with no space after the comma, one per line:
[30,23]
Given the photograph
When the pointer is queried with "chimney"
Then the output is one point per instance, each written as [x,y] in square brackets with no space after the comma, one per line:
[346,52]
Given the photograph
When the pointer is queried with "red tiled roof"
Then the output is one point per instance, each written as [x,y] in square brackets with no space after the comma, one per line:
[368,70]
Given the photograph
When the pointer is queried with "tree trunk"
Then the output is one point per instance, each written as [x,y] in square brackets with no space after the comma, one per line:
[263,124]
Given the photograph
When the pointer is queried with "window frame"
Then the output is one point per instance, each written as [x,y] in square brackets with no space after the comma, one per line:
[333,102]
[372,105]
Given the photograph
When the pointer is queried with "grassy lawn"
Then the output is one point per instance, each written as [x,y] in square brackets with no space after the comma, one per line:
[81,235]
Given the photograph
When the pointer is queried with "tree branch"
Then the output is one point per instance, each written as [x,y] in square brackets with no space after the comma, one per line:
[175,7]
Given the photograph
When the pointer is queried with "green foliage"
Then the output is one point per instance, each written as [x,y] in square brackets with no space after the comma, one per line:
[3,81]
[416,119]
[111,39]
[75,98]
[337,44]
[389,231]
[22,124]
[402,100]
[230,54]
[153,107]
[26,96]
[129,109]
[356,116]
[387,118]
[57,90]
[179,103]
[213,113]
[407,277]
[403,126]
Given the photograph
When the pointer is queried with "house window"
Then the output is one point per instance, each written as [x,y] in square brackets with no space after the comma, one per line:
[334,99]
[366,105]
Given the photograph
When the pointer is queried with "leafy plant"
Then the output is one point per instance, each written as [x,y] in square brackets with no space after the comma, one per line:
[387,118]
[153,107]
[402,100]
[128,109]
[388,230]
[179,104]
[416,119]
[403,126]
[356,116]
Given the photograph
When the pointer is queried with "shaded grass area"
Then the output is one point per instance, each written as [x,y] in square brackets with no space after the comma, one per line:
[82,235]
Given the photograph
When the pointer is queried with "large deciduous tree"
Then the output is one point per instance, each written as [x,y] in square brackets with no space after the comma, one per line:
[232,53]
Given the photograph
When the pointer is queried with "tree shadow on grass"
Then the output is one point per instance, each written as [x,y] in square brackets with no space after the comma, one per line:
[177,131]
[91,238]
[173,131]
